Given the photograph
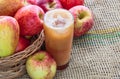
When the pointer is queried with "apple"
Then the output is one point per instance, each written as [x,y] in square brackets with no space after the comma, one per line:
[10,7]
[67,4]
[83,19]
[22,44]
[46,5]
[41,66]
[30,19]
[9,35]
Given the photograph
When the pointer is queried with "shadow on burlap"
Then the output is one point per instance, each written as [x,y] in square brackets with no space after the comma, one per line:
[96,55]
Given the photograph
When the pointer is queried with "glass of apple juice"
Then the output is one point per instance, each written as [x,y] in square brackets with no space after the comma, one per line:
[58,29]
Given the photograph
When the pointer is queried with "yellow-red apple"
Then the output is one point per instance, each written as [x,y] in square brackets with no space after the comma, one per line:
[9,35]
[83,19]
[41,66]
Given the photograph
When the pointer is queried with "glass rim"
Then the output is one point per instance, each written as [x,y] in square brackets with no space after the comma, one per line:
[56,10]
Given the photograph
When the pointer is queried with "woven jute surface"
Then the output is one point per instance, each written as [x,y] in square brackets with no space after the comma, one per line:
[96,55]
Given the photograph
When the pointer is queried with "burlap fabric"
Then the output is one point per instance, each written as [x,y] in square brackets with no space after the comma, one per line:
[96,55]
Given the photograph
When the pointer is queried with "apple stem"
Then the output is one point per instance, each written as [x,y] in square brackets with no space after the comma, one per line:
[40,16]
[52,4]
[25,2]
[81,15]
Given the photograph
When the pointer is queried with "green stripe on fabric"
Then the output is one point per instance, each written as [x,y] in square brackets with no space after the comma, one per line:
[98,39]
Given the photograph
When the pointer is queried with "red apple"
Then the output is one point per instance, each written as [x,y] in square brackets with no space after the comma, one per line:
[9,35]
[83,19]
[46,5]
[41,66]
[30,19]
[22,44]
[67,4]
[10,7]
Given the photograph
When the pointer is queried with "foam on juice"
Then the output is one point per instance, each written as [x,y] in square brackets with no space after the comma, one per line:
[58,19]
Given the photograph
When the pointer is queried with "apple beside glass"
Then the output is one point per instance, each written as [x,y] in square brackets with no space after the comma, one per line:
[30,19]
[41,66]
[83,19]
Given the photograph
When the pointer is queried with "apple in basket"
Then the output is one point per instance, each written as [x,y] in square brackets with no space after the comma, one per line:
[46,5]
[67,4]
[10,7]
[83,18]
[30,19]
[9,35]
[41,66]
[22,44]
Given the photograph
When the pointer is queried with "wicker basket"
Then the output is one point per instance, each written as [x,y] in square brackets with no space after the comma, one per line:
[14,66]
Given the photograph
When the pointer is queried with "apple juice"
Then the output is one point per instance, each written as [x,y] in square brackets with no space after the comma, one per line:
[58,28]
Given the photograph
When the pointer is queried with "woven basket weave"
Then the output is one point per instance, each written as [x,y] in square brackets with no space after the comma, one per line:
[14,66]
